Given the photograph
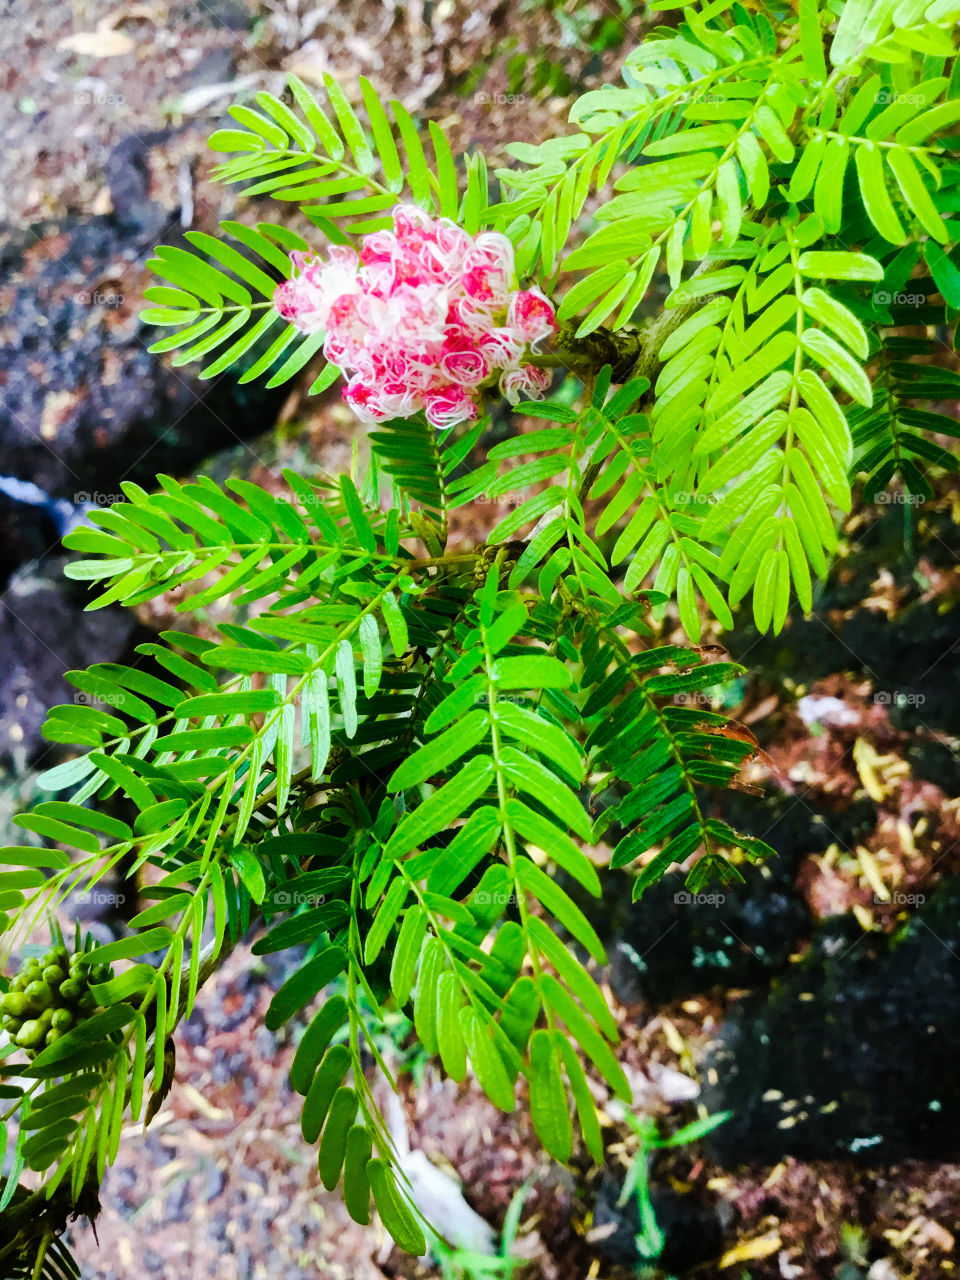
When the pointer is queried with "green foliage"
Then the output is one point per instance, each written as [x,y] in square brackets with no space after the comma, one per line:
[415,762]
[650,1239]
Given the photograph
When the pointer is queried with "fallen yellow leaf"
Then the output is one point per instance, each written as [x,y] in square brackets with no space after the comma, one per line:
[752,1250]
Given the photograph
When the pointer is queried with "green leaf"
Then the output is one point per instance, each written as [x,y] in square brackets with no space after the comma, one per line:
[352,129]
[301,987]
[328,1078]
[915,193]
[442,808]
[385,919]
[488,1066]
[839,363]
[395,1213]
[333,1147]
[549,1108]
[835,265]
[873,189]
[536,671]
[406,953]
[356,1182]
[369,637]
[561,906]
[945,274]
[125,948]
[450,1037]
[436,755]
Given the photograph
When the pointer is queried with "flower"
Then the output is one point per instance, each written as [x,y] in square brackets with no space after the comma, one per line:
[423,317]
[527,381]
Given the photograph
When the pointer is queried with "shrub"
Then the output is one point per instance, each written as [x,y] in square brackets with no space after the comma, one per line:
[394,746]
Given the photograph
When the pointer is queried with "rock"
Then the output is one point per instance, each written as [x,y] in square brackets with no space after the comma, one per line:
[670,945]
[854,1050]
[43,633]
[693,1232]
[675,944]
[935,762]
[84,404]
[28,529]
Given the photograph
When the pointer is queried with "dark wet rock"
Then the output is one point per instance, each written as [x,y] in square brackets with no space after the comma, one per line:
[84,404]
[676,944]
[935,762]
[693,1232]
[44,632]
[672,944]
[127,171]
[854,1050]
[27,532]
[912,661]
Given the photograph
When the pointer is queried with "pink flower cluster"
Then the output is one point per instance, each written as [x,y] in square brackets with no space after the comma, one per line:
[423,317]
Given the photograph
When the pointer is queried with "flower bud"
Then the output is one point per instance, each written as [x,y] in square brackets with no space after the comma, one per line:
[30,1034]
[14,1003]
[39,994]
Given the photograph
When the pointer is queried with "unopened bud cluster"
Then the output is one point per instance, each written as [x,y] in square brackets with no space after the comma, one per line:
[49,996]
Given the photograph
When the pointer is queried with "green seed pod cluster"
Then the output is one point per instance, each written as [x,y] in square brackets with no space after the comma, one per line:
[49,995]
